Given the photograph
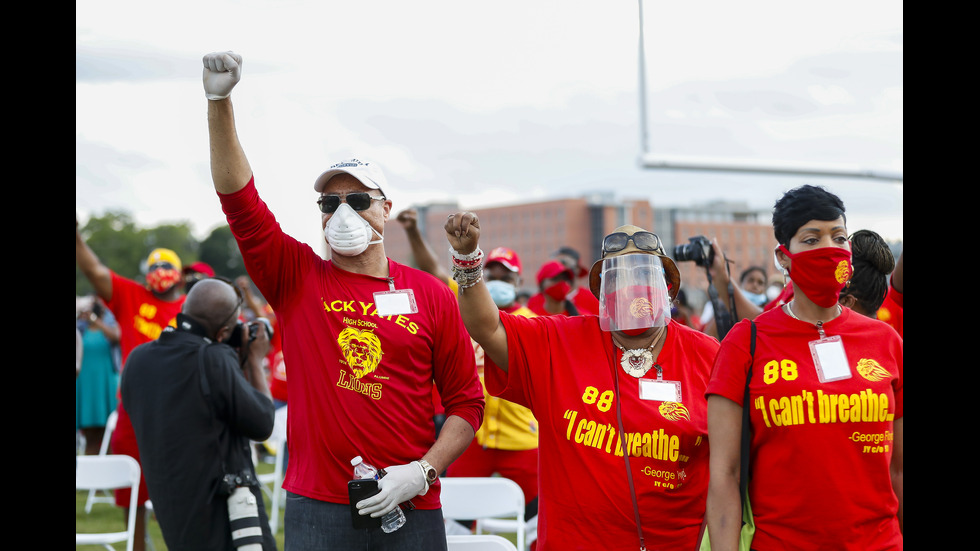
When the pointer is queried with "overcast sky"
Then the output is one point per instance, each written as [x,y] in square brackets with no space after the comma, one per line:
[490,103]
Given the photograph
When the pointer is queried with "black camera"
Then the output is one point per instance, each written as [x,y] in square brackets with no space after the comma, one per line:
[698,250]
[243,510]
[237,339]
[231,481]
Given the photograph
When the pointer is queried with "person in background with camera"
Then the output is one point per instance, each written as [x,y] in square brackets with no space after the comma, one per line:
[823,387]
[619,397]
[142,311]
[364,338]
[747,297]
[97,385]
[196,396]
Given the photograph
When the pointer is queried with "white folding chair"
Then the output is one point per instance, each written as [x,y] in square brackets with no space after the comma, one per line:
[272,482]
[101,496]
[485,498]
[479,543]
[509,526]
[272,485]
[109,472]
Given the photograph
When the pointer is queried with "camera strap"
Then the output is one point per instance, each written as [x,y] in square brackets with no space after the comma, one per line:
[206,389]
[626,455]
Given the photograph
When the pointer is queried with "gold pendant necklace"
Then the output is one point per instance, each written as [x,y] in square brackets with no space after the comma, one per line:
[637,361]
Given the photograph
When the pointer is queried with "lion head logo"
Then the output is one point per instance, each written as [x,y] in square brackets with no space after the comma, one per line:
[362,350]
[641,307]
[872,370]
[674,411]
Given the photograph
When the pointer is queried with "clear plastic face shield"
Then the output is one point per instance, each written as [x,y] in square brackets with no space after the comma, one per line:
[633,293]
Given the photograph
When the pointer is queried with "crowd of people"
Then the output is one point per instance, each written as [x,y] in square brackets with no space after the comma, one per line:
[772,419]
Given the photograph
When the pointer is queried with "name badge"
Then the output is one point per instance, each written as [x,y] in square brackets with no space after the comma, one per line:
[829,359]
[660,390]
[393,303]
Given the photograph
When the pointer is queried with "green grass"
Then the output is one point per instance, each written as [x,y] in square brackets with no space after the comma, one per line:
[109,518]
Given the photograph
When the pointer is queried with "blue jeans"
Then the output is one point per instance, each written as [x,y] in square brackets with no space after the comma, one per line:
[313,525]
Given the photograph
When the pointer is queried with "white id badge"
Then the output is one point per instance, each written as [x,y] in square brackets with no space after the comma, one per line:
[393,303]
[830,359]
[660,390]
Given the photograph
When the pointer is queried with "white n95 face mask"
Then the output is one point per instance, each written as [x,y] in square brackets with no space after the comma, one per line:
[347,233]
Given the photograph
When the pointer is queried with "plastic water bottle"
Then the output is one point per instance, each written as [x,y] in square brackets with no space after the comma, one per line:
[395,519]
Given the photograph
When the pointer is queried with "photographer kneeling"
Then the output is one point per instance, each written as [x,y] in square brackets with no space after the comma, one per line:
[195,403]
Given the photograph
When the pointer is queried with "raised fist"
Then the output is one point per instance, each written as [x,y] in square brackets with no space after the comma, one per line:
[222,71]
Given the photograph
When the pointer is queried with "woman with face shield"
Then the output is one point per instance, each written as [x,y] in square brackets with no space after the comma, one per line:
[818,390]
[618,396]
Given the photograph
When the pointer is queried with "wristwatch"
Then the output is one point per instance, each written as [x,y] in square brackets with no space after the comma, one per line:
[429,471]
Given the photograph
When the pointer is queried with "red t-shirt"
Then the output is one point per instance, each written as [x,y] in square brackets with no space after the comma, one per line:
[583,299]
[821,452]
[562,368]
[142,316]
[359,383]
[892,310]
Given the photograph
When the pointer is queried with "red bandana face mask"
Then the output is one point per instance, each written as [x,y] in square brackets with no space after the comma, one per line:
[559,290]
[161,280]
[820,274]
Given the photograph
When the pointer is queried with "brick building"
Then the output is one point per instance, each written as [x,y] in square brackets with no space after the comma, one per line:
[536,230]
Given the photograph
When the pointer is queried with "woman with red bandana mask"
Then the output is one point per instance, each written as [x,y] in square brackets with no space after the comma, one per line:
[823,390]
[619,397]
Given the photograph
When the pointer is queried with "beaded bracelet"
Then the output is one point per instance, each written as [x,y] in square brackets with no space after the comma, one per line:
[470,259]
[467,277]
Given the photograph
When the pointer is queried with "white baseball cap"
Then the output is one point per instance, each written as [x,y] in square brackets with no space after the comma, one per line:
[367,173]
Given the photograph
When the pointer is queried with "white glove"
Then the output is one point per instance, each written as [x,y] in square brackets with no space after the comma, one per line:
[222,70]
[402,483]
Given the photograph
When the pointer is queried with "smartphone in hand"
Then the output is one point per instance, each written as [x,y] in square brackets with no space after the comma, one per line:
[358,490]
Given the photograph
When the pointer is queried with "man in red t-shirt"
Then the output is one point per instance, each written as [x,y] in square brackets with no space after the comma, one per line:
[143,311]
[364,337]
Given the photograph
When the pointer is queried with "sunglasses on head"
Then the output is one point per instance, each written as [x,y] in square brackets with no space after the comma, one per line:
[358,201]
[644,240]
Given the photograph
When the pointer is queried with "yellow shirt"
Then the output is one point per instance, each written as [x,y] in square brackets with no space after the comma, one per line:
[506,425]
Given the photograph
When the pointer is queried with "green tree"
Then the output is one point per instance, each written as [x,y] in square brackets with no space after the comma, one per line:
[123,246]
[220,251]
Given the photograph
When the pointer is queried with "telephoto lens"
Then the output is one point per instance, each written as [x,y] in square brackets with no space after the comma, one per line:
[243,511]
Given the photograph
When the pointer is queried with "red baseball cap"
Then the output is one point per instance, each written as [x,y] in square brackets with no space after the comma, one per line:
[553,268]
[199,267]
[506,257]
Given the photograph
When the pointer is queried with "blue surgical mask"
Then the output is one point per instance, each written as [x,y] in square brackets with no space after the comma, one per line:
[759,299]
[503,294]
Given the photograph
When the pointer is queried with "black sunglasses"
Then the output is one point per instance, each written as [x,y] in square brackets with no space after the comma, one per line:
[644,240]
[358,201]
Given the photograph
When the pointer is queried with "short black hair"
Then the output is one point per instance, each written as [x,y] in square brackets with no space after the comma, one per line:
[800,205]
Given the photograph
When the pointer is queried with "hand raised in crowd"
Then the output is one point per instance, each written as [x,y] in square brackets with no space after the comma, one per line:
[222,71]
[409,219]
[719,267]
[463,232]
